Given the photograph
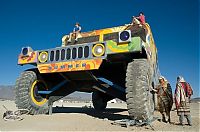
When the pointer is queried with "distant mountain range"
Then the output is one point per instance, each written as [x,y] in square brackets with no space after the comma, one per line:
[7,92]
[195,100]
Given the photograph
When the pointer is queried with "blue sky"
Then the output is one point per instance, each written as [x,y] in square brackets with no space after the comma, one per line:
[42,23]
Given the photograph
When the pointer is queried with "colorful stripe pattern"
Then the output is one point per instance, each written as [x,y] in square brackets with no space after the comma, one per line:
[112,47]
[31,58]
[70,66]
[134,45]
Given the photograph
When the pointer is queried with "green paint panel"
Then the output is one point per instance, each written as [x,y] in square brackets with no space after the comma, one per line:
[135,45]
[114,47]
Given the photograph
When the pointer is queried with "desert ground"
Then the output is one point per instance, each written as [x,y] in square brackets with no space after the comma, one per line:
[80,117]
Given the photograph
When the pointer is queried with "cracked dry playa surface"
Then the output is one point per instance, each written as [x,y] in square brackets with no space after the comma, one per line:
[76,117]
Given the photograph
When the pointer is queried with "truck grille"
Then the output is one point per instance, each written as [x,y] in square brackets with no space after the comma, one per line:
[71,53]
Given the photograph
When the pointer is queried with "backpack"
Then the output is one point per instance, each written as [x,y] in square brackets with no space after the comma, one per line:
[188,89]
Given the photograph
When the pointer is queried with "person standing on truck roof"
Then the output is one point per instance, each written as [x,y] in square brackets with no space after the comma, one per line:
[139,19]
[76,32]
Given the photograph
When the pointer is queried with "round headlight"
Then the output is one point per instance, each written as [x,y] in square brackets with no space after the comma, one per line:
[24,51]
[43,56]
[124,36]
[98,50]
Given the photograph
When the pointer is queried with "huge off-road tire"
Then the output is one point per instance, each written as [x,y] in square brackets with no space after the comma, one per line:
[26,91]
[138,96]
[98,100]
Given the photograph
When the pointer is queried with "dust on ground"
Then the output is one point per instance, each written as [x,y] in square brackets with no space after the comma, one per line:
[80,117]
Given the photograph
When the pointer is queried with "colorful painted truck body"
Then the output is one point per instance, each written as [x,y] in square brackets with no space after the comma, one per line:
[110,62]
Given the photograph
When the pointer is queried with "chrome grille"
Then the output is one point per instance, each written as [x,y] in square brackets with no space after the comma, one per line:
[69,53]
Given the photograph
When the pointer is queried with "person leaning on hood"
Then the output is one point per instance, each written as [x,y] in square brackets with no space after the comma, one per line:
[165,98]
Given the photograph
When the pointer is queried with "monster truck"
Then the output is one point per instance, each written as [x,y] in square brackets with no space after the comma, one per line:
[118,62]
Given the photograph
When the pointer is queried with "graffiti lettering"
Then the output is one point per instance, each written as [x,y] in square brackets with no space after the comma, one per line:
[70,66]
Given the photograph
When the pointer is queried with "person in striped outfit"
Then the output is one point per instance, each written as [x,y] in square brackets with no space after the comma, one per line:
[182,95]
[165,98]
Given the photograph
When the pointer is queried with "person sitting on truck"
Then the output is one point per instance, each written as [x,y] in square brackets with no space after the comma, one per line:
[140,20]
[76,32]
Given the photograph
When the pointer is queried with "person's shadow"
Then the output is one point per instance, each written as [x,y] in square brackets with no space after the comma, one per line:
[109,113]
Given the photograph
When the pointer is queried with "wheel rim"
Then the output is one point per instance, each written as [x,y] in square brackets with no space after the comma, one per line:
[35,96]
